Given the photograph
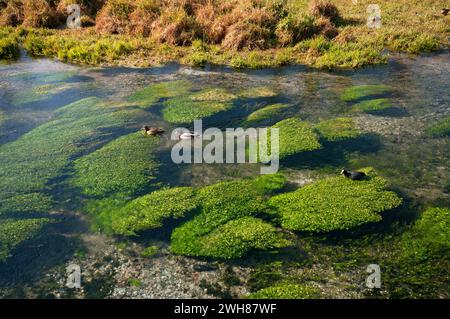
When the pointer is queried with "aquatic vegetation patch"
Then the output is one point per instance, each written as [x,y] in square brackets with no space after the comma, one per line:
[14,232]
[26,203]
[184,109]
[335,203]
[286,291]
[338,129]
[372,106]
[2,117]
[266,113]
[358,92]
[150,251]
[38,157]
[237,237]
[440,129]
[295,137]
[150,211]
[221,204]
[257,92]
[155,92]
[215,94]
[269,184]
[125,165]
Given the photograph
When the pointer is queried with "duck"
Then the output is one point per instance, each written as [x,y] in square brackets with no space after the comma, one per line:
[152,130]
[445,11]
[353,175]
[187,135]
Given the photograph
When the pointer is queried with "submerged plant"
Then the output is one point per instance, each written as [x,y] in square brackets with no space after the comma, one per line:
[125,165]
[257,92]
[335,203]
[150,211]
[14,232]
[266,113]
[358,92]
[338,129]
[155,92]
[440,129]
[372,106]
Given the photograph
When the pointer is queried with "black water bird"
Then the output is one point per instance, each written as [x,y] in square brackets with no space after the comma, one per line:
[445,11]
[353,175]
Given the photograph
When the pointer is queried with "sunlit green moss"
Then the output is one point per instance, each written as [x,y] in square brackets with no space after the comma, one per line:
[109,169]
[257,92]
[335,203]
[440,129]
[220,204]
[184,109]
[218,95]
[358,92]
[32,162]
[14,232]
[268,112]
[155,92]
[295,136]
[27,203]
[150,211]
[338,129]
[286,291]
[237,237]
[371,106]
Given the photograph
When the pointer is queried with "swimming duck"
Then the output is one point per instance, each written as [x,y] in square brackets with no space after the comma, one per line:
[445,11]
[353,175]
[188,135]
[152,130]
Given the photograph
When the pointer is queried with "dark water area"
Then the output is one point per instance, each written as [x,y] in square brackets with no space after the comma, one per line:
[393,141]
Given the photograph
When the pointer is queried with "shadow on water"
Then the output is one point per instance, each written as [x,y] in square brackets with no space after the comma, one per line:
[333,155]
[32,259]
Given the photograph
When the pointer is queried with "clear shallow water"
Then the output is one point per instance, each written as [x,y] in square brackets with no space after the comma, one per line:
[394,144]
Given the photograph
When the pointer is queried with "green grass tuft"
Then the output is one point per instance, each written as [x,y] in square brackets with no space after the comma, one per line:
[335,203]
[372,106]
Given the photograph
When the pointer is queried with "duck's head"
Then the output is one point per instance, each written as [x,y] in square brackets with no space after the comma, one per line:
[343,171]
[145,128]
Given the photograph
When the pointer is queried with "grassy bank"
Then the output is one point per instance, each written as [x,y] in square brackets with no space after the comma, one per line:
[254,34]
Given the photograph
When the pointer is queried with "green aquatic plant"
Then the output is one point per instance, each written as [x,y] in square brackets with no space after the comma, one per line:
[152,94]
[26,203]
[150,211]
[335,203]
[220,204]
[257,92]
[185,109]
[295,137]
[150,251]
[215,94]
[125,165]
[358,92]
[38,93]
[266,113]
[14,232]
[338,129]
[286,291]
[2,117]
[440,129]
[269,184]
[372,106]
[32,162]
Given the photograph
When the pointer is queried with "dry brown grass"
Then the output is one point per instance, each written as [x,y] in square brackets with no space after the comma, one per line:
[40,14]
[113,18]
[325,27]
[143,16]
[11,14]
[323,8]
